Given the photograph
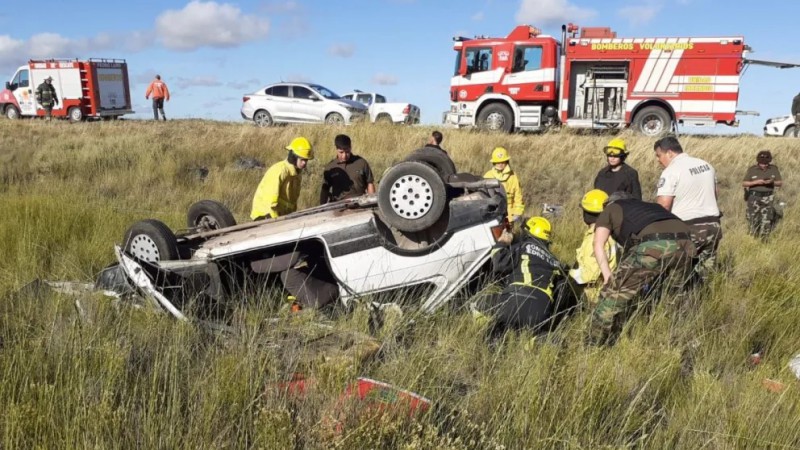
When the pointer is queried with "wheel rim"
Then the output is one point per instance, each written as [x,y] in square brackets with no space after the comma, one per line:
[76,114]
[411,197]
[207,223]
[335,119]
[262,119]
[652,124]
[144,247]
[495,121]
[11,113]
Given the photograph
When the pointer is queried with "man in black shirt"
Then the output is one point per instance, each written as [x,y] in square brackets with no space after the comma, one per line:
[618,176]
[347,175]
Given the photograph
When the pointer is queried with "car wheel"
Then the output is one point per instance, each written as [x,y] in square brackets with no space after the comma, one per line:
[262,118]
[496,117]
[411,196]
[75,114]
[789,131]
[652,121]
[440,162]
[334,119]
[152,241]
[207,215]
[12,112]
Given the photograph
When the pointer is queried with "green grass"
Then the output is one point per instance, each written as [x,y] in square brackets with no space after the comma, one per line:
[118,376]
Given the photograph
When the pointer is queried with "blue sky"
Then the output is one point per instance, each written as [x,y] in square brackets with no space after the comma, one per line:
[212,53]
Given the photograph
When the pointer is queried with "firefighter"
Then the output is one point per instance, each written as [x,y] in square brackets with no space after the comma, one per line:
[278,191]
[160,93]
[759,183]
[657,248]
[617,175]
[502,172]
[47,97]
[586,272]
[532,272]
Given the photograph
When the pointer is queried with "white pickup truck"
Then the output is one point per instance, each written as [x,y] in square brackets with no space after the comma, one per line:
[380,111]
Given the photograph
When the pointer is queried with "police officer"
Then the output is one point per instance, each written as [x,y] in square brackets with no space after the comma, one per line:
[617,175]
[47,97]
[501,171]
[760,182]
[656,246]
[532,272]
[278,191]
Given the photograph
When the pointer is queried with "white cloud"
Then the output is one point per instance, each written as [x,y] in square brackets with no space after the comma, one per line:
[200,80]
[208,24]
[252,82]
[640,14]
[10,50]
[384,79]
[342,50]
[478,16]
[14,52]
[551,12]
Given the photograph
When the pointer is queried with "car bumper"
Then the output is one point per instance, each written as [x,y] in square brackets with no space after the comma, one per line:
[357,118]
[247,111]
[457,119]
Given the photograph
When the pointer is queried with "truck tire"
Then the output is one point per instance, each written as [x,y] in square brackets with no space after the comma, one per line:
[334,118]
[789,131]
[12,113]
[496,117]
[207,215]
[652,121]
[75,114]
[262,118]
[151,240]
[411,196]
[440,162]
[384,119]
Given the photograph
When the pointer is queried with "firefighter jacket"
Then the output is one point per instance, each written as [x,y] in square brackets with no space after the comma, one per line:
[278,191]
[158,89]
[510,181]
[528,263]
[46,94]
[587,271]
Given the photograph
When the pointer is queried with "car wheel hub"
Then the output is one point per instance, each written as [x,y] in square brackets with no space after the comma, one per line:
[207,223]
[145,248]
[495,121]
[652,125]
[411,197]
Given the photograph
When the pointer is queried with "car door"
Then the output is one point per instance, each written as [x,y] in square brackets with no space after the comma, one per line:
[23,92]
[528,79]
[308,106]
[279,103]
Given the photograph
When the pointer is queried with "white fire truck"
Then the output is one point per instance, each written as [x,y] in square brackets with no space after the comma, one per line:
[93,88]
[592,79]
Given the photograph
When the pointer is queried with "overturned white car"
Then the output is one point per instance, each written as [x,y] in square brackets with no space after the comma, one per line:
[425,226]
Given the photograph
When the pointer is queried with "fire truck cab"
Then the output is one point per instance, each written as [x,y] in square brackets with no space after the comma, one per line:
[592,79]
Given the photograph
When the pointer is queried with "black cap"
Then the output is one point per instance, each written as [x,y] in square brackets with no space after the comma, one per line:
[764,157]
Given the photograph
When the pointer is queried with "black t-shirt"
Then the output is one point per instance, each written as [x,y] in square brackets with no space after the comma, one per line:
[343,180]
[626,179]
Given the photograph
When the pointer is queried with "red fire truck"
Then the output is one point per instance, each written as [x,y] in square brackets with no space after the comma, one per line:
[592,79]
[92,88]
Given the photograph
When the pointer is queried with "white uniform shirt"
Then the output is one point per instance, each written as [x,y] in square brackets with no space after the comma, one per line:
[692,183]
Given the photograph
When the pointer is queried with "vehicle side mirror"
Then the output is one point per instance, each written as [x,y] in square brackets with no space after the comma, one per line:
[316,99]
[8,85]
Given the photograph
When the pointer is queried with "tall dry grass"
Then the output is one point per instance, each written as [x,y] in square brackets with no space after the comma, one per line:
[122,377]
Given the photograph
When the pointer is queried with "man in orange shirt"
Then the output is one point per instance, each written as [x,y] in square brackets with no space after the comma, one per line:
[160,93]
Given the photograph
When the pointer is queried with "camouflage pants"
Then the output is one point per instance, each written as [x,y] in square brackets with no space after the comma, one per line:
[706,237]
[760,214]
[641,268]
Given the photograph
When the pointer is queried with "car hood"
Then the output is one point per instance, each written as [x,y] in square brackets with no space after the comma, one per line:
[352,104]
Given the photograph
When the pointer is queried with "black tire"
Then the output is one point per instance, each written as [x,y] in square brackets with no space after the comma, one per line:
[262,119]
[207,215]
[334,118]
[435,158]
[789,131]
[496,117]
[384,119]
[75,114]
[151,240]
[652,121]
[12,113]
[411,196]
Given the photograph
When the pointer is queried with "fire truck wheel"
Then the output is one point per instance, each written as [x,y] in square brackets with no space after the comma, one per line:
[411,196]
[75,114]
[262,118]
[12,112]
[652,121]
[334,119]
[207,215]
[152,241]
[496,117]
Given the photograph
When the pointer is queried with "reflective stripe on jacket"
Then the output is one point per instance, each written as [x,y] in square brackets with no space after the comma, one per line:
[528,263]
[510,181]
[278,191]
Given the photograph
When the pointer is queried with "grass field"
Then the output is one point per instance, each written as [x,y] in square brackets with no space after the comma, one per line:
[121,377]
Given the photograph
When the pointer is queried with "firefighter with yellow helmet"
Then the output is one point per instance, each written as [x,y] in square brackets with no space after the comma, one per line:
[502,172]
[278,191]
[532,273]
[586,272]
[618,176]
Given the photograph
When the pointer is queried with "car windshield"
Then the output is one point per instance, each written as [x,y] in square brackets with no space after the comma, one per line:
[325,92]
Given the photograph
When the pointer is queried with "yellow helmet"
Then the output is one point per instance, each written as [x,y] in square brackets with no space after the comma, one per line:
[616,147]
[539,227]
[500,155]
[593,201]
[301,147]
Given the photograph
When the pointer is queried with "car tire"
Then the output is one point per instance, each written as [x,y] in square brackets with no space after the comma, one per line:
[789,131]
[75,114]
[438,160]
[384,119]
[12,113]
[207,215]
[496,117]
[262,119]
[151,240]
[334,118]
[652,121]
[411,196]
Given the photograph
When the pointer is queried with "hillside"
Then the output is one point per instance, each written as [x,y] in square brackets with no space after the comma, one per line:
[679,377]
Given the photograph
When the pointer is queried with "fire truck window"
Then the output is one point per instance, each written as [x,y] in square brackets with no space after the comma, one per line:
[22,79]
[531,58]
[479,60]
[380,99]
